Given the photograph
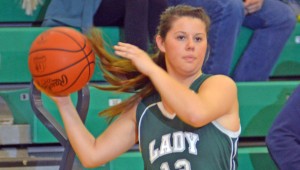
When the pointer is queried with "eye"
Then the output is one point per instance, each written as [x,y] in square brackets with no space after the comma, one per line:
[198,39]
[180,37]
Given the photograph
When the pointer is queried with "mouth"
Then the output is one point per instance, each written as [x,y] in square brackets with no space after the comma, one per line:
[189,58]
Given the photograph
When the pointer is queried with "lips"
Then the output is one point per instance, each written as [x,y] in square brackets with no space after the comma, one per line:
[189,58]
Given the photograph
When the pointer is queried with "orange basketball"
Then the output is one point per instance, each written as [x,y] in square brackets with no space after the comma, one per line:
[61,61]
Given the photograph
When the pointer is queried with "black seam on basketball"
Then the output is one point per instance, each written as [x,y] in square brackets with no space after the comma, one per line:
[87,59]
[81,48]
[79,44]
[34,75]
[54,49]
[72,38]
[88,65]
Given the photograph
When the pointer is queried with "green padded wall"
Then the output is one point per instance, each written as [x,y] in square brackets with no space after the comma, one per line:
[14,48]
[129,160]
[11,11]
[260,102]
[255,158]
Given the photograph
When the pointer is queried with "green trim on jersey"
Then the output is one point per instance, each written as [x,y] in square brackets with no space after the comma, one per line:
[171,144]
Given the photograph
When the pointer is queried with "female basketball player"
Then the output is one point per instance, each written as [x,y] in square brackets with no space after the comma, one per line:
[181,117]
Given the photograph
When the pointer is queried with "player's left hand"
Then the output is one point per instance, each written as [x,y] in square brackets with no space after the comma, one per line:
[139,58]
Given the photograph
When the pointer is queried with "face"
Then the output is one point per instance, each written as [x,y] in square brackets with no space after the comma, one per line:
[184,46]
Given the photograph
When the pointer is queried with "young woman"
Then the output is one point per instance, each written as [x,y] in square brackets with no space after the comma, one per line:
[182,118]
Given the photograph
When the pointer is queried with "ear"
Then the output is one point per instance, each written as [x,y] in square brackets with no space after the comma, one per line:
[160,43]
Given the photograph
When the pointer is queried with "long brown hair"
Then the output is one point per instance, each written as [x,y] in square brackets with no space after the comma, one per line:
[122,75]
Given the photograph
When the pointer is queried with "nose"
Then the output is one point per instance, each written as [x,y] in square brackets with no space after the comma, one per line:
[190,45]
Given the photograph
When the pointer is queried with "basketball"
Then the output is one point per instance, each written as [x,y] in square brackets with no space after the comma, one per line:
[61,61]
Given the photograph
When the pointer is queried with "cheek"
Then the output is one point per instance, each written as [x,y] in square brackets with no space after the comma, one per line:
[173,54]
[174,48]
[202,51]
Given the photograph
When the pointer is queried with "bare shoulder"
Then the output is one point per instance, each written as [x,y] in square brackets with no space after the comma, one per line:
[224,90]
[220,82]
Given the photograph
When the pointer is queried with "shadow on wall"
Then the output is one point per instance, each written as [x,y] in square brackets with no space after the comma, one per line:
[261,123]
[287,68]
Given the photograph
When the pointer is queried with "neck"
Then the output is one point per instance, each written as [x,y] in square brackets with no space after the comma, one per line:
[187,80]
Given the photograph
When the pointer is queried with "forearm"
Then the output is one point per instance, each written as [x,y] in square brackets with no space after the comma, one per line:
[80,138]
[93,152]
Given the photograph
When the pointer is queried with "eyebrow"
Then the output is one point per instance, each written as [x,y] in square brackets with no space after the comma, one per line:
[182,32]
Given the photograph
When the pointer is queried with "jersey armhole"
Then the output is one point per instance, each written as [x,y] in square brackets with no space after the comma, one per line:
[230,133]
